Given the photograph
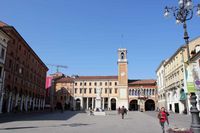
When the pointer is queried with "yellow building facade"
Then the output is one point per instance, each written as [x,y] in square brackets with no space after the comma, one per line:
[82,90]
[174,81]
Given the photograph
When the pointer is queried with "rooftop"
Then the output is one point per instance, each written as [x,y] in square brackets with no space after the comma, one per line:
[142,82]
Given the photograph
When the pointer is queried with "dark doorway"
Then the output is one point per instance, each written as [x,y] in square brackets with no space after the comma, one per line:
[113,104]
[149,105]
[78,104]
[133,106]
[176,105]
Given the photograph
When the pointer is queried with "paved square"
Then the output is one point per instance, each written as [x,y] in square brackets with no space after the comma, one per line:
[77,122]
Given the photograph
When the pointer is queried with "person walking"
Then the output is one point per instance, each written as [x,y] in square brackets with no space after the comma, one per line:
[122,112]
[163,118]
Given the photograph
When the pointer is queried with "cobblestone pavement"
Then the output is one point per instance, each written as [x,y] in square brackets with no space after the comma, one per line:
[80,122]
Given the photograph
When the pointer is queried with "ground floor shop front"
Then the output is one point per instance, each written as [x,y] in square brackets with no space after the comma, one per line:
[86,103]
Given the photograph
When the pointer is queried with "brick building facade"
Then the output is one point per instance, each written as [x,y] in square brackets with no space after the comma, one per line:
[25,75]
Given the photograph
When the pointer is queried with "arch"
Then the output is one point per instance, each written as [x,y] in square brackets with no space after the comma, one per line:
[133,105]
[122,55]
[113,104]
[78,104]
[149,105]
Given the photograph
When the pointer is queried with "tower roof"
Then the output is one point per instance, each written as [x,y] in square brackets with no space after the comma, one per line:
[122,49]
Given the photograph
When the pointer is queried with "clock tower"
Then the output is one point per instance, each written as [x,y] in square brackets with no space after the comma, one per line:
[123,77]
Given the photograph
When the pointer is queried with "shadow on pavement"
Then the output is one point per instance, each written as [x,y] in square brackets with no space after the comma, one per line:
[28,127]
[35,116]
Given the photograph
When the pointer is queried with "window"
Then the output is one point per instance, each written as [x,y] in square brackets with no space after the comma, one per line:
[95,90]
[81,84]
[85,90]
[110,83]
[90,90]
[100,83]
[80,90]
[115,90]
[133,93]
[106,90]
[115,83]
[20,47]
[105,83]
[136,92]
[75,90]
[153,92]
[2,53]
[75,84]
[85,83]
[90,84]
[1,69]
[21,70]
[110,90]
[95,84]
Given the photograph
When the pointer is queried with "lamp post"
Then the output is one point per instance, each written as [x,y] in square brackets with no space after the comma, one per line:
[182,14]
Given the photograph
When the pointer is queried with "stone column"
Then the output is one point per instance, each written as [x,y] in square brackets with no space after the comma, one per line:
[81,103]
[38,104]
[109,108]
[92,102]
[1,102]
[30,104]
[103,103]
[9,102]
[87,104]
[21,104]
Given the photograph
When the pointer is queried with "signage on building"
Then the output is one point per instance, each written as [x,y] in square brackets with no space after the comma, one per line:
[191,87]
[190,80]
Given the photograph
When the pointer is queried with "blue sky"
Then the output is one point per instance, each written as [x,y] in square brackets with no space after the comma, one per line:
[85,34]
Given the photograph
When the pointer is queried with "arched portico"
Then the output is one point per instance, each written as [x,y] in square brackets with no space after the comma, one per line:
[133,105]
[149,105]
[78,104]
[113,104]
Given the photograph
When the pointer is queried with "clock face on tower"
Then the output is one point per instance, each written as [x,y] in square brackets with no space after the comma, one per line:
[123,74]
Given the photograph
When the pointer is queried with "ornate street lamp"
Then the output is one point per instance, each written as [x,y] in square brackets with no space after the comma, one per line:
[183,13]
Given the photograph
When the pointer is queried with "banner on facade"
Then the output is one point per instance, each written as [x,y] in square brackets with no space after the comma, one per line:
[190,80]
[191,87]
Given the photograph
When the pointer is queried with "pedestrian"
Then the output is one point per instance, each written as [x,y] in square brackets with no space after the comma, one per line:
[90,111]
[163,118]
[122,111]
[119,110]
[125,111]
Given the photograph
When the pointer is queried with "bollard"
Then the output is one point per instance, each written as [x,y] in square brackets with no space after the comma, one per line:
[195,125]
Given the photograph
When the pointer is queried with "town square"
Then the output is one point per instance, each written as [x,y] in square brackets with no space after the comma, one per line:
[100,66]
